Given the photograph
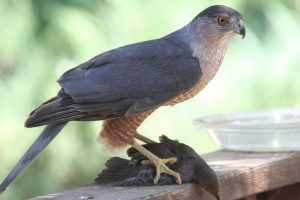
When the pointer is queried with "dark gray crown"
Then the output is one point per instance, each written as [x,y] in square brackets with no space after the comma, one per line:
[216,10]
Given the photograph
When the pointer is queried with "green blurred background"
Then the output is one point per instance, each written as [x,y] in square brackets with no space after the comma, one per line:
[40,39]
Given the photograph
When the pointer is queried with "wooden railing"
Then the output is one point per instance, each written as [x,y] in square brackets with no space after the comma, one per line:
[242,175]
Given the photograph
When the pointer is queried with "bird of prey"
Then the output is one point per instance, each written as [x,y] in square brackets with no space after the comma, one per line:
[134,172]
[125,85]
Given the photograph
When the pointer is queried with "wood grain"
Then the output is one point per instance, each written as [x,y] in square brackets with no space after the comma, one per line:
[241,175]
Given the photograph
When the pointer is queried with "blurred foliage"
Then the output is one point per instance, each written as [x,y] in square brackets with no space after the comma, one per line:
[40,39]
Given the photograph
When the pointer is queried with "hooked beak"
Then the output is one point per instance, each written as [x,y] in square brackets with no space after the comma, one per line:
[240,28]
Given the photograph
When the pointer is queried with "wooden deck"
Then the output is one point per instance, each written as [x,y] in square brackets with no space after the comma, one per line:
[242,175]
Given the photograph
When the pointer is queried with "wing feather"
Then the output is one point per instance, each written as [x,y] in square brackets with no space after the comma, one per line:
[123,82]
[145,82]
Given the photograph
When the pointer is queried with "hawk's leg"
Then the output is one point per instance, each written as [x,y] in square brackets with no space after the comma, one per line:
[143,138]
[159,163]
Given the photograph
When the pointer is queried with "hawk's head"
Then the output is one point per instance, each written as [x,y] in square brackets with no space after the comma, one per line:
[221,20]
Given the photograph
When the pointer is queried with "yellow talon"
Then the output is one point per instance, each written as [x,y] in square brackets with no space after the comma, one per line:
[160,164]
[161,167]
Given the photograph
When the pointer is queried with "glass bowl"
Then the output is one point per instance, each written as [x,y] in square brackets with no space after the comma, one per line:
[269,130]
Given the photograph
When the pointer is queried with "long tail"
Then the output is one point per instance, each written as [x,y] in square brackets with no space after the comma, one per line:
[34,150]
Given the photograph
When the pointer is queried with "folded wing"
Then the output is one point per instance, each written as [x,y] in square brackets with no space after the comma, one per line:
[122,82]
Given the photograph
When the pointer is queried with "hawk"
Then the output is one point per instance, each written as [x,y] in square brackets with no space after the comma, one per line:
[125,85]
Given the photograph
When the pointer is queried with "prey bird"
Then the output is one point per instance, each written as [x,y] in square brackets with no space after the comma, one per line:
[120,172]
[125,85]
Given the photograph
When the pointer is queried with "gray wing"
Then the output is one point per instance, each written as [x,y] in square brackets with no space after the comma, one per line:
[121,82]
[132,79]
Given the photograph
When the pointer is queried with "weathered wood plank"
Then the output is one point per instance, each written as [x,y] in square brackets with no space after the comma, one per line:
[240,174]
[290,192]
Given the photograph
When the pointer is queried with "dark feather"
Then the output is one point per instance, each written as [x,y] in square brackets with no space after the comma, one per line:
[215,10]
[131,78]
[149,103]
[51,113]
[190,166]
[122,82]
[122,172]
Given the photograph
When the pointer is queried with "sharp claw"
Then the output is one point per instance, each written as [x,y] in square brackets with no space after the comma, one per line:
[146,162]
[158,163]
[155,181]
[178,179]
[162,168]
[170,160]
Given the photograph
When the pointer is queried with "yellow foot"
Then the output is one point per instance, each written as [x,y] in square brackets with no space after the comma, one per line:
[161,167]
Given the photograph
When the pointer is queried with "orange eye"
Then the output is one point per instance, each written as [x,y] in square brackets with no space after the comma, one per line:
[223,21]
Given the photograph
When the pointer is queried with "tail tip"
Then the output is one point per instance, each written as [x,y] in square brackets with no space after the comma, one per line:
[29,123]
[2,189]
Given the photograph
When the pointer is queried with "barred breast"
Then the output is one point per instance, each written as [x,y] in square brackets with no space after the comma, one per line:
[207,75]
[120,132]
[210,58]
